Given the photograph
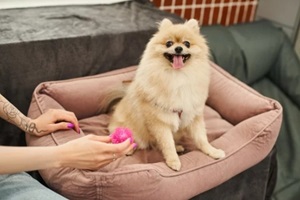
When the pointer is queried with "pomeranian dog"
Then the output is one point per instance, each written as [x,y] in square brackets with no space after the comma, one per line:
[166,99]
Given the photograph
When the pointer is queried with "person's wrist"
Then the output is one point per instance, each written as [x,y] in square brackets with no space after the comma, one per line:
[34,127]
[59,154]
[65,155]
[29,126]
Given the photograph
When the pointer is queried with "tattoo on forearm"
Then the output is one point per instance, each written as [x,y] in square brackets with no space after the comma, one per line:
[10,111]
[13,115]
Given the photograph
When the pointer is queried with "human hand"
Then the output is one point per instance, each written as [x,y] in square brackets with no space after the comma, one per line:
[92,152]
[53,120]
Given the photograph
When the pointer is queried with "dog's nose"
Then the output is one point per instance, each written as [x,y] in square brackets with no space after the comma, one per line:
[178,49]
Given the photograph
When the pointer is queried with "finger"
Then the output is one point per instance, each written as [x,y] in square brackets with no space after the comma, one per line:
[61,126]
[118,151]
[106,158]
[111,157]
[120,147]
[105,139]
[67,116]
[132,147]
[72,118]
[129,149]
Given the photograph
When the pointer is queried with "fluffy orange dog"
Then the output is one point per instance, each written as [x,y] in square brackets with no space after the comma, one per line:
[167,96]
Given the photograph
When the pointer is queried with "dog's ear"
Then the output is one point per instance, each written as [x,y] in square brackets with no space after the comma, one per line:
[193,24]
[165,23]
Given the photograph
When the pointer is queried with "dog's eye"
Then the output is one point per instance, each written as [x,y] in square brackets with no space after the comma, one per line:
[187,44]
[169,43]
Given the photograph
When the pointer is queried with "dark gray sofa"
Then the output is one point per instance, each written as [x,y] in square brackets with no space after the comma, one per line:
[262,56]
[57,43]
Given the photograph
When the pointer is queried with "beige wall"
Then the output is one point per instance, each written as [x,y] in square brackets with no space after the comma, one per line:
[285,14]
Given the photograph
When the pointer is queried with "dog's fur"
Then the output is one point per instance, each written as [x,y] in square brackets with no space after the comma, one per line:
[166,99]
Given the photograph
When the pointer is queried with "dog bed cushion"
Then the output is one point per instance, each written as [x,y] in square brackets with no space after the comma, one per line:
[239,120]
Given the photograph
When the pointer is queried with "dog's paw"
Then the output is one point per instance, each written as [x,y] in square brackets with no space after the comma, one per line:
[217,153]
[179,148]
[174,164]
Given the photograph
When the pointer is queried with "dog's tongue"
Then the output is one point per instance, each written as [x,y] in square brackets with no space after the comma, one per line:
[177,62]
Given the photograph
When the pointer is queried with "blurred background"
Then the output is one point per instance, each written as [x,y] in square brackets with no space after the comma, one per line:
[285,14]
[62,39]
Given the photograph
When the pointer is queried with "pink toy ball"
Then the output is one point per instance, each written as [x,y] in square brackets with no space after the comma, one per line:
[120,135]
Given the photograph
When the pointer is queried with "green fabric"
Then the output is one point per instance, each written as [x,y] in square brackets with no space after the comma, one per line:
[261,55]
[260,44]
[226,52]
[288,142]
[286,72]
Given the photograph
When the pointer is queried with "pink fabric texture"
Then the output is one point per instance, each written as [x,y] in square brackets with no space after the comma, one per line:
[238,119]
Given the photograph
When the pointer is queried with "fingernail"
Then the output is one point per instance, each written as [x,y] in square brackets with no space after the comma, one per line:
[134,146]
[70,125]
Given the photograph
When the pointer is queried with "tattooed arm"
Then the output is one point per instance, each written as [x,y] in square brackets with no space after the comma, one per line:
[88,152]
[11,114]
[44,124]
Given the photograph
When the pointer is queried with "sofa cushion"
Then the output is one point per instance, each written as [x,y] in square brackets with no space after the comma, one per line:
[239,50]
[225,51]
[259,59]
[239,120]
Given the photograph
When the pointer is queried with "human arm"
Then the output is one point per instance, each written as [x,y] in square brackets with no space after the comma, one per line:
[48,122]
[88,152]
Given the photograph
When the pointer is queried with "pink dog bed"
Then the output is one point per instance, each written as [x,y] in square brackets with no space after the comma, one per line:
[239,120]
